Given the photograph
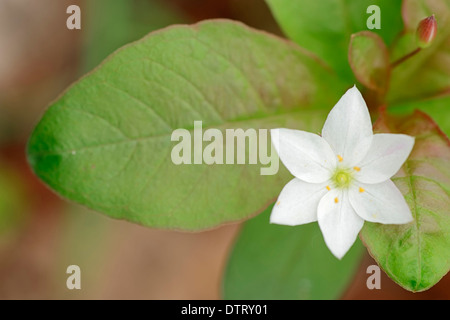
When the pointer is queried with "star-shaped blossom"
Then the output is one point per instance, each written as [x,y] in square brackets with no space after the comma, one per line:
[342,178]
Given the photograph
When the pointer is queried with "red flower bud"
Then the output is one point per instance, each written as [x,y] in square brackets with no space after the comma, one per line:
[426,32]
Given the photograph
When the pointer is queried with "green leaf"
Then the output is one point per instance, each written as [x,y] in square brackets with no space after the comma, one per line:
[438,108]
[369,60]
[416,255]
[281,262]
[106,143]
[427,74]
[325,26]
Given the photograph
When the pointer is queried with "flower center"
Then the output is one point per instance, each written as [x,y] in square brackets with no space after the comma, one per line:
[342,178]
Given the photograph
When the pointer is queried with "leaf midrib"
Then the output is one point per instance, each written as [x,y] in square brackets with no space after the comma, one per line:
[168,134]
[417,227]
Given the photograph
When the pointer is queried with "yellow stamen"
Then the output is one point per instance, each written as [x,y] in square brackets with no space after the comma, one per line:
[336,200]
[278,203]
[357,168]
[328,188]
[340,158]
[361,190]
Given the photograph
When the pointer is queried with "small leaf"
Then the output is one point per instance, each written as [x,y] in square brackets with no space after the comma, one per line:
[427,74]
[325,26]
[281,262]
[106,143]
[417,255]
[369,60]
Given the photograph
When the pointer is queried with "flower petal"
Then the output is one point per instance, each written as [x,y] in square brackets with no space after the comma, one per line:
[386,155]
[306,155]
[381,203]
[297,203]
[339,222]
[348,128]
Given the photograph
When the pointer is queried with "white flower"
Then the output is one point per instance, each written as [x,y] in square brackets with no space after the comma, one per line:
[342,177]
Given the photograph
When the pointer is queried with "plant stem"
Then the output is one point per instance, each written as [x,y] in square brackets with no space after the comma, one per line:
[404,58]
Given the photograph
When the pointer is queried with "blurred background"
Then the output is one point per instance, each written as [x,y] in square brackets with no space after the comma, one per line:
[41,234]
